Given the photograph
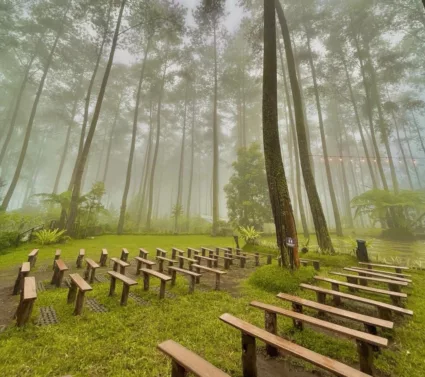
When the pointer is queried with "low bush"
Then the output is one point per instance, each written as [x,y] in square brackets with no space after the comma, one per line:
[48,237]
[274,279]
[8,239]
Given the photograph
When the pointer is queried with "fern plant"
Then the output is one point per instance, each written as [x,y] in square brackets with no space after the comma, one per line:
[48,237]
[249,234]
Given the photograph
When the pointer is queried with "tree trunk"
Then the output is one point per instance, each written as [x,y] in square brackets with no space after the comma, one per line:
[192,159]
[133,145]
[27,136]
[411,155]
[73,209]
[276,179]
[321,228]
[418,130]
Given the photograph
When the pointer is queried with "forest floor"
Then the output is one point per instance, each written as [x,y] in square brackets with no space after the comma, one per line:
[122,340]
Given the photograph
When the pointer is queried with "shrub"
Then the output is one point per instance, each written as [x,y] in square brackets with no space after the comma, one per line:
[274,279]
[8,239]
[249,234]
[48,237]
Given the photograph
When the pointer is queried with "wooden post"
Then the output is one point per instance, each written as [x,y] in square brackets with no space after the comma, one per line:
[385,313]
[316,265]
[79,261]
[249,356]
[173,277]
[124,255]
[87,272]
[394,287]
[269,259]
[217,282]
[215,261]
[122,270]
[365,357]
[92,275]
[362,281]
[189,252]
[361,251]
[398,270]
[209,263]
[145,281]
[79,303]
[124,295]
[257,259]
[115,268]
[299,309]
[203,251]
[396,300]
[226,264]
[173,253]
[242,261]
[321,298]
[139,266]
[162,289]
[72,292]
[192,284]
[57,256]
[18,282]
[55,275]
[161,265]
[270,324]
[112,286]
[177,370]
[59,279]
[198,279]
[336,299]
[181,262]
[24,312]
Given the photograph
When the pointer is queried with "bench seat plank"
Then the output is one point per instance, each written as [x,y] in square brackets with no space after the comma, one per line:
[92,263]
[126,280]
[376,274]
[30,289]
[338,312]
[373,279]
[61,265]
[120,262]
[26,267]
[189,360]
[186,258]
[383,265]
[183,271]
[166,259]
[398,274]
[209,269]
[358,299]
[156,274]
[205,258]
[80,282]
[362,287]
[145,261]
[33,253]
[293,349]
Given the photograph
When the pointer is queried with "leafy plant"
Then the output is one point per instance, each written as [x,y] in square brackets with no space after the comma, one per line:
[48,236]
[249,234]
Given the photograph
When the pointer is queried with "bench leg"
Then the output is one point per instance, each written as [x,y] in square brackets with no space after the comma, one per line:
[79,303]
[336,299]
[398,270]
[139,266]
[79,259]
[269,259]
[162,289]
[173,278]
[363,282]
[161,266]
[59,279]
[394,287]
[385,313]
[87,272]
[299,309]
[122,270]
[72,292]
[352,281]
[270,324]
[316,265]
[181,261]
[374,331]
[217,282]
[177,370]
[145,282]
[124,295]
[396,300]
[321,298]
[18,283]
[92,275]
[24,312]
[242,262]
[257,259]
[365,357]
[198,279]
[55,276]
[115,268]
[249,356]
[192,284]
[226,264]
[209,263]
[215,261]
[112,286]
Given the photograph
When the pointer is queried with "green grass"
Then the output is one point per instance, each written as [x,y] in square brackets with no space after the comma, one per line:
[122,342]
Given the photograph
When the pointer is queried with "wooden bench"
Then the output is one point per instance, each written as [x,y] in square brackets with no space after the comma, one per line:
[217,273]
[23,272]
[191,250]
[370,323]
[182,259]
[384,309]
[393,285]
[90,270]
[143,253]
[58,273]
[275,344]
[184,361]
[127,283]
[161,261]
[118,262]
[32,257]
[395,296]
[78,283]
[200,258]
[103,257]
[124,255]
[80,258]
[227,261]
[142,261]
[315,263]
[173,271]
[389,273]
[397,268]
[204,251]
[161,252]
[57,256]
[365,342]
[174,252]
[26,303]
[366,272]
[242,259]
[162,277]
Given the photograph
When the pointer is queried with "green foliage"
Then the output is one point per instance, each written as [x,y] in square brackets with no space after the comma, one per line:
[177,211]
[272,278]
[48,236]
[249,234]
[8,239]
[247,193]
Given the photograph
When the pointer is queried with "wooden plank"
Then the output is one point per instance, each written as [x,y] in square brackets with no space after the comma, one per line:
[189,360]
[120,262]
[145,261]
[377,274]
[126,280]
[341,330]
[362,287]
[187,259]
[156,274]
[209,269]
[80,282]
[183,271]
[192,249]
[58,252]
[358,299]
[92,263]
[402,274]
[338,312]
[205,258]
[104,252]
[178,250]
[61,265]
[82,252]
[166,259]
[30,289]
[33,253]
[141,249]
[161,250]
[384,265]
[377,280]
[26,267]
[292,349]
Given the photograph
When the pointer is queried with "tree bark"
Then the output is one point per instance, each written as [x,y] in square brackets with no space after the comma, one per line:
[411,155]
[73,209]
[192,160]
[321,228]
[418,130]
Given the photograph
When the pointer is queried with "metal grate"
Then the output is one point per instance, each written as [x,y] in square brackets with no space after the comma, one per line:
[138,299]
[102,278]
[47,316]
[40,286]
[43,268]
[95,306]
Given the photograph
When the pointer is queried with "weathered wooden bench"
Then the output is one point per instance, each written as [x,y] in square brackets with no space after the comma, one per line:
[80,285]
[191,250]
[143,253]
[393,285]
[193,275]
[162,277]
[122,265]
[204,251]
[80,258]
[26,303]
[124,255]
[32,257]
[242,259]
[127,283]
[274,344]
[184,361]
[227,261]
[398,269]
[217,273]
[161,261]
[175,251]
[384,309]
[200,258]
[182,259]
[389,273]
[103,257]
[315,263]
[365,341]
[57,256]
[90,272]
[372,273]
[370,323]
[161,252]
[23,272]
[142,261]
[58,273]
[395,296]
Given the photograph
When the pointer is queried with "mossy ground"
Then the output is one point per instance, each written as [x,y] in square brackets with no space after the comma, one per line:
[122,342]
